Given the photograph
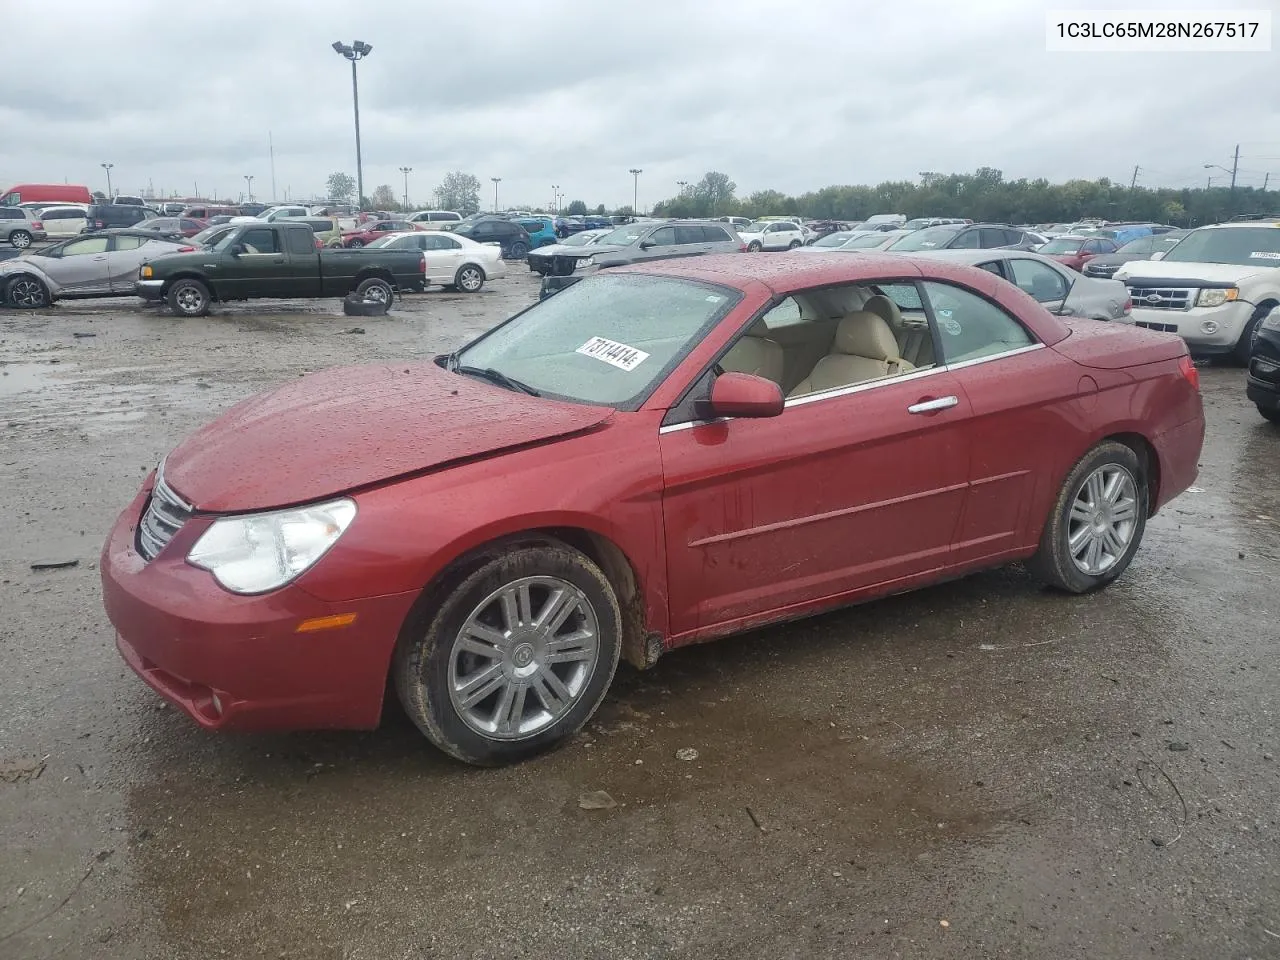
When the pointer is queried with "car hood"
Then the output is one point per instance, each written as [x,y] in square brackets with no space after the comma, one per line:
[561,250]
[1109,259]
[1167,271]
[351,427]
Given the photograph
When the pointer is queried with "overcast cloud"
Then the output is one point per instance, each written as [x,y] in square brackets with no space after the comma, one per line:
[790,95]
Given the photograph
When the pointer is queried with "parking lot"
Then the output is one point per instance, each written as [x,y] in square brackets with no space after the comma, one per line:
[979,769]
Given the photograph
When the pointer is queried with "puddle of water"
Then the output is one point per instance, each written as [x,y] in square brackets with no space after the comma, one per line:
[18,378]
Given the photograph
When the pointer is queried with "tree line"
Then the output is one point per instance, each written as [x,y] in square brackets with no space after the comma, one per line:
[984,195]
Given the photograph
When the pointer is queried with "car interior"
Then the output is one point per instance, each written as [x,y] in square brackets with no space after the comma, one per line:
[836,337]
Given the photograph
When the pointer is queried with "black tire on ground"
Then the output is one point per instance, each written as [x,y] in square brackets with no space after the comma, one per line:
[20,239]
[421,666]
[352,244]
[469,278]
[376,289]
[754,246]
[793,244]
[189,298]
[519,250]
[1053,562]
[1271,414]
[1244,346]
[26,292]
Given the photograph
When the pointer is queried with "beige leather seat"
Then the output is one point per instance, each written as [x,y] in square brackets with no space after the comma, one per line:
[758,356]
[864,349]
[914,344]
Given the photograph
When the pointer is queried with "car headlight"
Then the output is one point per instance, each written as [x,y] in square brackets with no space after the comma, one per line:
[264,551]
[584,262]
[145,272]
[1216,297]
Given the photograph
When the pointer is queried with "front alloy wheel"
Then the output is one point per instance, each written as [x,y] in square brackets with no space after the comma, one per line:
[28,293]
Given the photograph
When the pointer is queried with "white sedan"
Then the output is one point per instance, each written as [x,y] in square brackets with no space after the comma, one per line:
[452,261]
[772,235]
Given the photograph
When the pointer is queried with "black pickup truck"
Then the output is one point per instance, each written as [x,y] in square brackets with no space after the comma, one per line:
[277,260]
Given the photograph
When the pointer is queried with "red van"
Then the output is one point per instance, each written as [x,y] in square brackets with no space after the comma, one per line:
[45,193]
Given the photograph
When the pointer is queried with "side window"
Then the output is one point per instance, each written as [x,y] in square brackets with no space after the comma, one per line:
[967,240]
[785,314]
[1013,237]
[128,243]
[89,245]
[689,233]
[969,326]
[991,237]
[259,240]
[1039,281]
[301,242]
[449,243]
[992,266]
[1091,246]
[433,242]
[715,235]
[663,236]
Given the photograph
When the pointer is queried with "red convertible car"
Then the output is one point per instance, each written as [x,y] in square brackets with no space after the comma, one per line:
[658,455]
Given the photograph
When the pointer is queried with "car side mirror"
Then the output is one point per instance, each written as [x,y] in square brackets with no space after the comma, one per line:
[742,395]
[646,244]
[236,249]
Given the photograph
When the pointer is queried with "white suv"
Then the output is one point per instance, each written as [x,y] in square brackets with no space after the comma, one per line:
[772,235]
[1213,288]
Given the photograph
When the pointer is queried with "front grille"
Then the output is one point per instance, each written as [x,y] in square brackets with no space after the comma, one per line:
[1162,298]
[561,266]
[165,514]
[1103,270]
[1162,327]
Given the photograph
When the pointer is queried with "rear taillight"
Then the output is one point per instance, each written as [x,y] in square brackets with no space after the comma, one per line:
[1128,306]
[99,224]
[422,263]
[1189,372]
[38,225]
[742,248]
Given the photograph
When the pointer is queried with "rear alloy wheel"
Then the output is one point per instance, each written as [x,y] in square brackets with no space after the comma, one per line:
[515,658]
[754,246]
[189,298]
[375,289]
[469,279]
[27,293]
[1097,522]
[353,244]
[20,239]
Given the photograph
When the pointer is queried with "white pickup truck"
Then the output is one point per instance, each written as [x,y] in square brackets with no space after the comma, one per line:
[1213,288]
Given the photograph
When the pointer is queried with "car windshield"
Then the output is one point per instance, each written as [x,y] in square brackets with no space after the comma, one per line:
[608,339]
[868,241]
[1241,246]
[210,235]
[1142,245]
[624,236]
[1061,245]
[578,239]
[916,224]
[833,239]
[930,239]
[757,226]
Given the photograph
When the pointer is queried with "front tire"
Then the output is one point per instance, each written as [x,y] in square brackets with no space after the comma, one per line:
[355,244]
[515,658]
[189,298]
[754,246]
[469,278]
[20,239]
[1097,521]
[375,289]
[26,293]
[1244,346]
[793,244]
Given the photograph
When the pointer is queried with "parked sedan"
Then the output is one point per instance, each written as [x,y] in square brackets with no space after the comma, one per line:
[1054,286]
[640,462]
[452,261]
[1076,251]
[173,226]
[371,230]
[1105,265]
[540,260]
[101,264]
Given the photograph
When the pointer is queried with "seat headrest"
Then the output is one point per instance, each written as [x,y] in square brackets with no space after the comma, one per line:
[884,308]
[865,334]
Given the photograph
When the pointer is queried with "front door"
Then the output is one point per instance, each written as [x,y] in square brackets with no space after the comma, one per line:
[443,255]
[258,269]
[82,267]
[847,490]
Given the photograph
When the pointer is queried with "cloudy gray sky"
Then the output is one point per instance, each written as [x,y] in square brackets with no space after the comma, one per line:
[791,95]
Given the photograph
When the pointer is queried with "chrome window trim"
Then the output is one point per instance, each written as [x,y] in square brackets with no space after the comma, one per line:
[863,387]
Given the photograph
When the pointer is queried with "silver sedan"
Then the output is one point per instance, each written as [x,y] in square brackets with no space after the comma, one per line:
[1057,287]
[101,264]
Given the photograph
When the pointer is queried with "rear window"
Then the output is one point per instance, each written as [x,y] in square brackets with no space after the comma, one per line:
[12,213]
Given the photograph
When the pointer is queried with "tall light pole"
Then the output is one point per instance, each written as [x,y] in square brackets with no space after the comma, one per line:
[555,198]
[356,51]
[682,184]
[248,178]
[496,181]
[635,195]
[406,171]
[107,167]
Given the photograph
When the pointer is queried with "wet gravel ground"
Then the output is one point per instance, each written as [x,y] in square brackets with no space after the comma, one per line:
[981,769]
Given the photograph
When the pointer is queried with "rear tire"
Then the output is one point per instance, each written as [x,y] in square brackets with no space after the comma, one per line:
[469,278]
[519,250]
[754,246]
[189,298]
[354,244]
[376,289]
[26,292]
[1097,521]
[20,239]
[469,643]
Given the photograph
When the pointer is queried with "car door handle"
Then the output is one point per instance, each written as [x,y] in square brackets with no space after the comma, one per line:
[278,260]
[103,257]
[932,406]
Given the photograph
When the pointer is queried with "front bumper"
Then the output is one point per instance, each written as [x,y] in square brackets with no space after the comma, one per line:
[239,663]
[1208,331]
[149,289]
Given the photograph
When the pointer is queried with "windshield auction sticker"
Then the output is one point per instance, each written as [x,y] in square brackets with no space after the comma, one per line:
[612,352]
[1264,255]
